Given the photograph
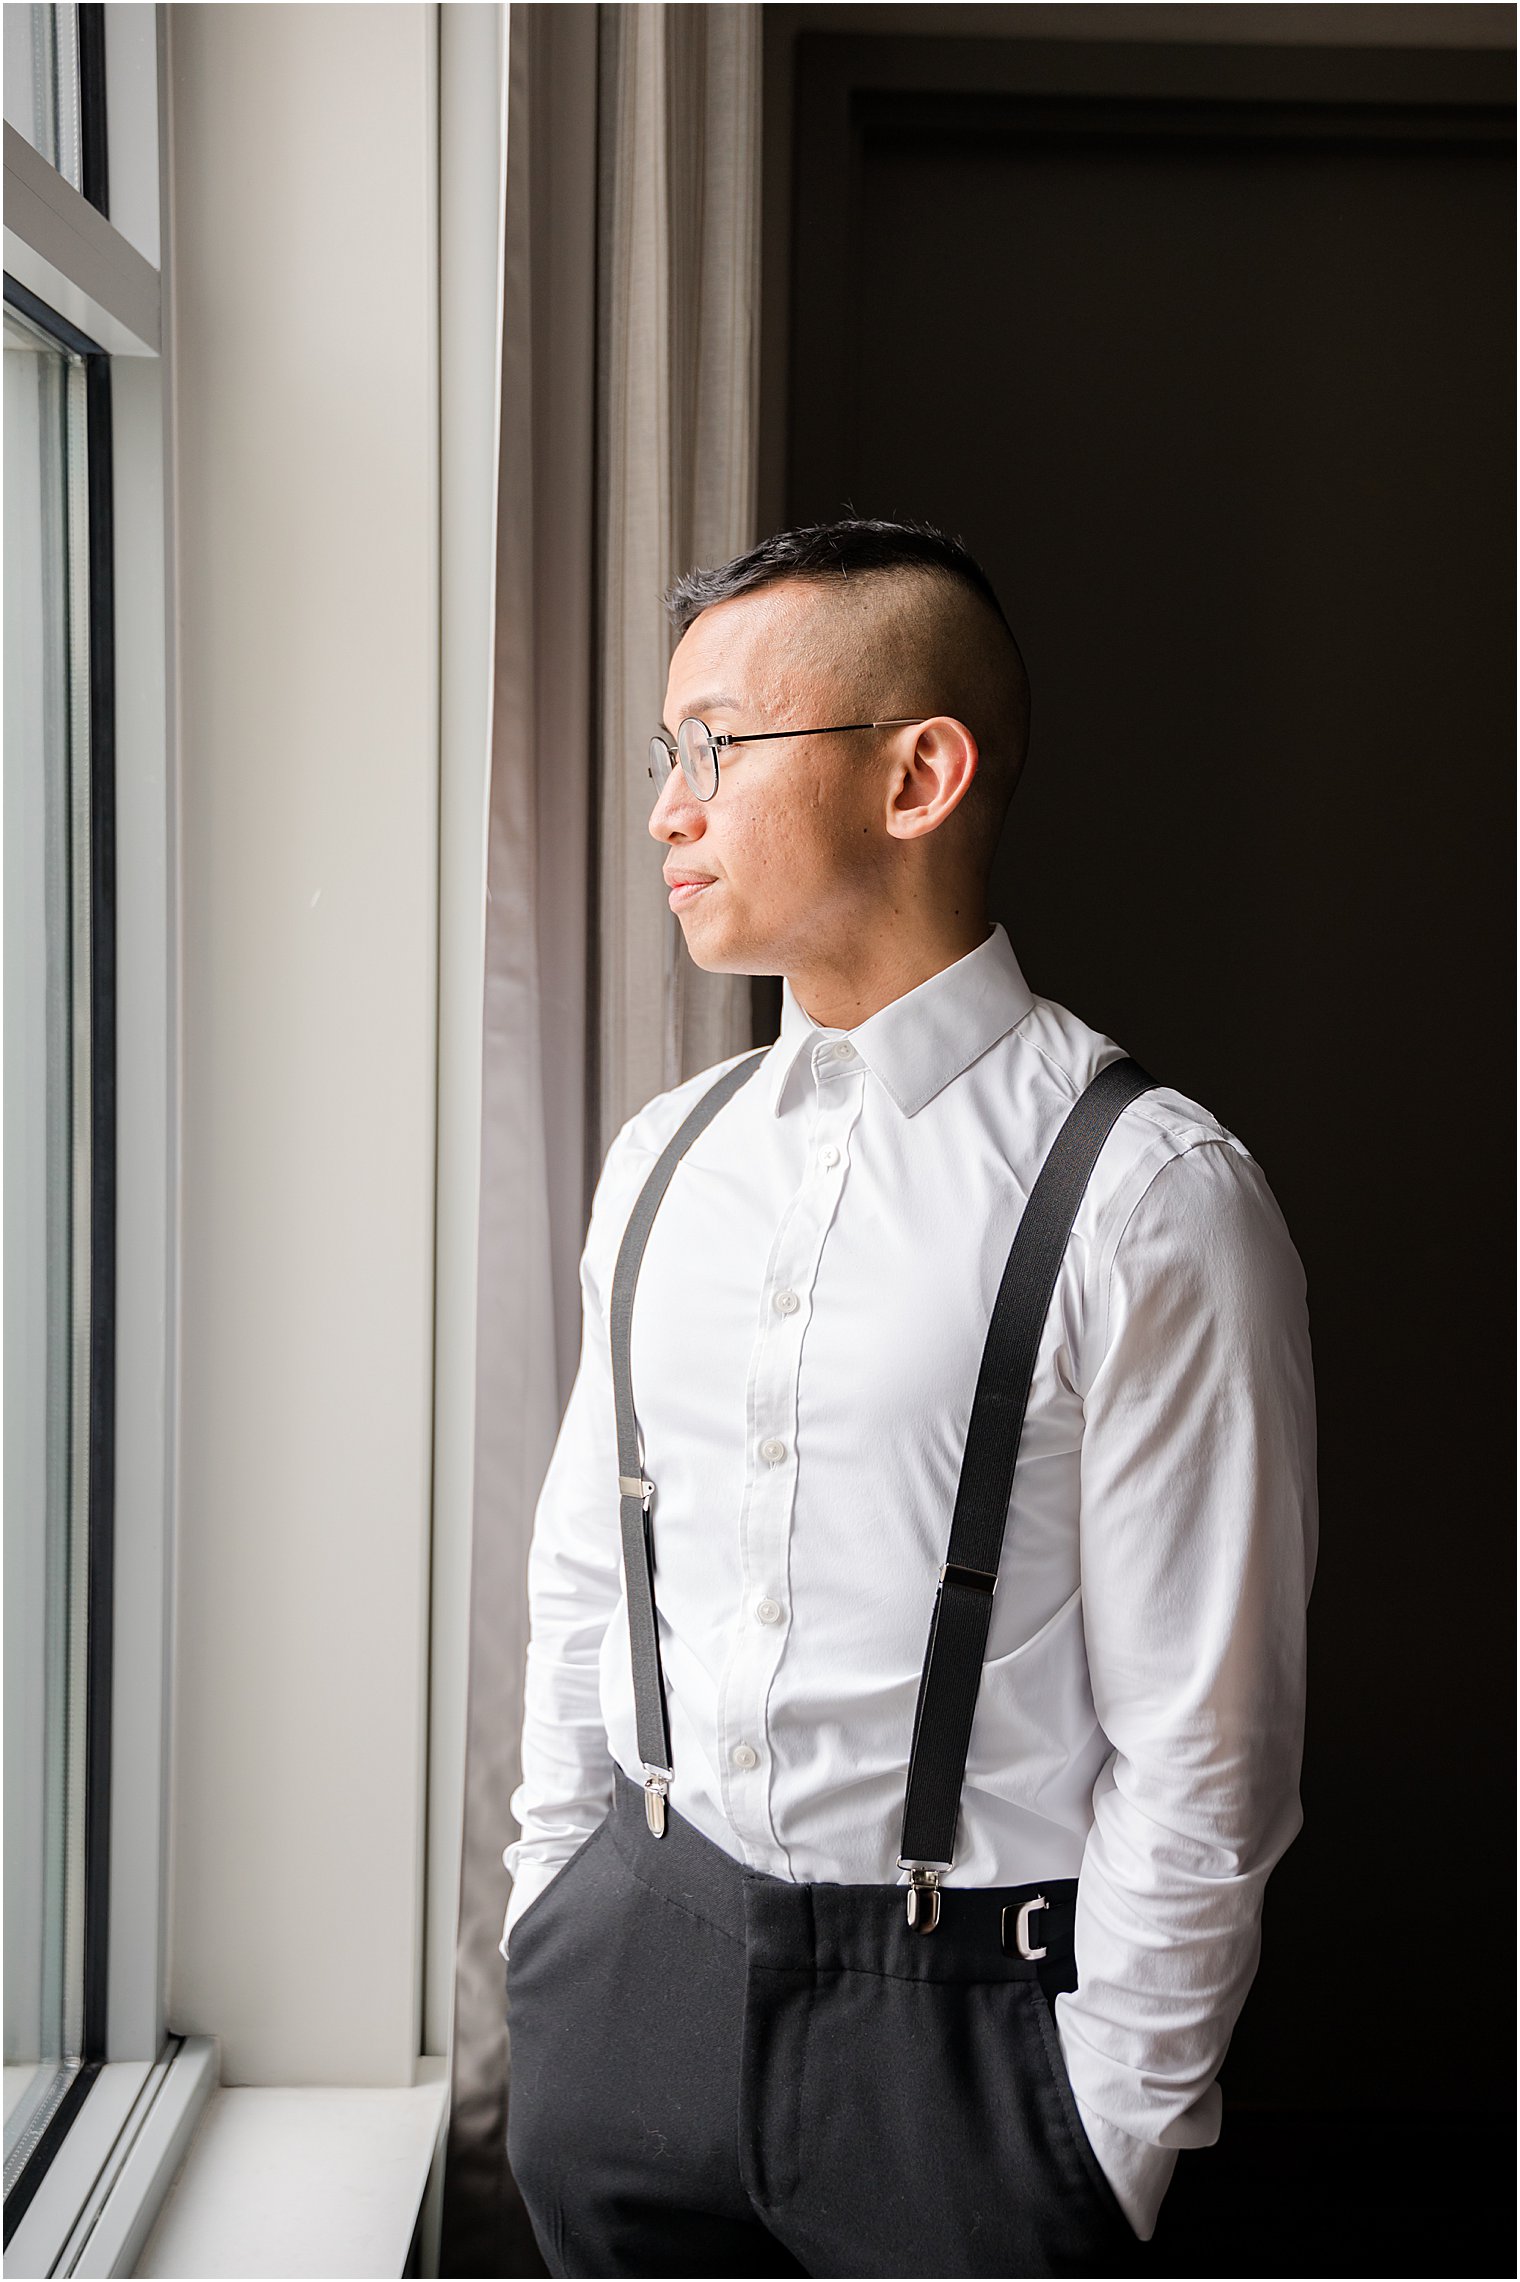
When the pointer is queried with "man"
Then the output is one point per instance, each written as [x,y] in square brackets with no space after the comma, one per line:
[737,2046]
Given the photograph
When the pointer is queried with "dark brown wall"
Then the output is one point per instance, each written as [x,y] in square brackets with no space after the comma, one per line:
[1208,356]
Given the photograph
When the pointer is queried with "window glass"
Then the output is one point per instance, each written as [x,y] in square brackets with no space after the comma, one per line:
[42,81]
[46,1222]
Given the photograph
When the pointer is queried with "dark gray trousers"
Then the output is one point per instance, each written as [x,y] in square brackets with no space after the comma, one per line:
[716,2072]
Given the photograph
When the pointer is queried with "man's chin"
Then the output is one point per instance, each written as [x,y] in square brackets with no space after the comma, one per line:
[717,952]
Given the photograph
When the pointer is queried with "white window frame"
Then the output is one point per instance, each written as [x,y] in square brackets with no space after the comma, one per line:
[98,2198]
[105,2189]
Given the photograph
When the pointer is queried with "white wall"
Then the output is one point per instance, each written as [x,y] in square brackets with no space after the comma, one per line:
[303,235]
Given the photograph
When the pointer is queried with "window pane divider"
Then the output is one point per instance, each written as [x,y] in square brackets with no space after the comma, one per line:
[64,250]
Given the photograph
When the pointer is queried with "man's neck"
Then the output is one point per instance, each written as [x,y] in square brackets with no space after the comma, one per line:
[842,995]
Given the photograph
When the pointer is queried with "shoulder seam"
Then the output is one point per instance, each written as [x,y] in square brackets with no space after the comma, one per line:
[1033,1046]
[1143,1104]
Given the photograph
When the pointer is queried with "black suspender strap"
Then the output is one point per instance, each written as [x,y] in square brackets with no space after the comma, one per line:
[635,1493]
[962,1610]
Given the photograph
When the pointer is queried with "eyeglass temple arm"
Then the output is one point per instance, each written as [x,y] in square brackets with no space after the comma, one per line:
[763,736]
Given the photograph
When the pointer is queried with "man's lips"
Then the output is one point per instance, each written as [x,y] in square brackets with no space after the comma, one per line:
[685,887]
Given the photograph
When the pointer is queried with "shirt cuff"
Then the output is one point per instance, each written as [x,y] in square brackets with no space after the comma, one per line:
[530,1881]
[1138,2171]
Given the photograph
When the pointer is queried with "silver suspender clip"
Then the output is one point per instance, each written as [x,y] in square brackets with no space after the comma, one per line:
[656,1792]
[635,1486]
[923,1898]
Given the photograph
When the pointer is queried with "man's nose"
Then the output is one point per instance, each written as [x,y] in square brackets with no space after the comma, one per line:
[677,813]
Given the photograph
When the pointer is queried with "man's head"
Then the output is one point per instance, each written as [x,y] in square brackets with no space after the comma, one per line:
[811,840]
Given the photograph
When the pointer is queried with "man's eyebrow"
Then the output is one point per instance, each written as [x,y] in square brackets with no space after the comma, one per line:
[706,705]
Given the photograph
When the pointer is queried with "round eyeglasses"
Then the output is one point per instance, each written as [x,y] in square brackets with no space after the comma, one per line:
[697,748]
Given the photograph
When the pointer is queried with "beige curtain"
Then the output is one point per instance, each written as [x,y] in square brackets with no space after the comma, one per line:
[534,1072]
[679,295]
[628,353]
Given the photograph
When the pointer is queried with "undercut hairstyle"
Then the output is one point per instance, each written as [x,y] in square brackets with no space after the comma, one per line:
[831,550]
[911,625]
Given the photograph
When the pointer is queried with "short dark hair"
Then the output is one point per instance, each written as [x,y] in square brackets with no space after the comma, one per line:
[829,550]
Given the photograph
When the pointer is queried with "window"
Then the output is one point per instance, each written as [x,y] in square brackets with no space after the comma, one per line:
[55,89]
[42,82]
[57,1207]
[84,415]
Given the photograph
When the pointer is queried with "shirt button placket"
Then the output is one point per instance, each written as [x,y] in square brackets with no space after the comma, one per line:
[778,1355]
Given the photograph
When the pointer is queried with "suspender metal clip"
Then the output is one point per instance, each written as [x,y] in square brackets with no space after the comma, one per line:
[923,1898]
[635,1486]
[656,1792]
[980,1580]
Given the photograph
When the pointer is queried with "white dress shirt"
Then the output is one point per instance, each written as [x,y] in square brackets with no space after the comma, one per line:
[809,1324]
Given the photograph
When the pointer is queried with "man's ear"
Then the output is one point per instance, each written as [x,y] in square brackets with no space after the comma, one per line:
[935,777]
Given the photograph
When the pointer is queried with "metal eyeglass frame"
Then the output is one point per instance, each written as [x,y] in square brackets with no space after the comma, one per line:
[722,740]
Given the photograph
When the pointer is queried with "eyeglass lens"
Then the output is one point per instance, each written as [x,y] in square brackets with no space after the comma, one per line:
[699,764]
[698,760]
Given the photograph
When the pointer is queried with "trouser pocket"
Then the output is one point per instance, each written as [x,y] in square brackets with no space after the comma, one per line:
[1043,2008]
[935,2136]
[542,1983]
[525,1928]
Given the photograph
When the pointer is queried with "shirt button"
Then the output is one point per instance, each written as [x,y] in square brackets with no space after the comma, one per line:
[768,1611]
[786,1303]
[844,1051]
[830,1155]
[773,1451]
[745,1755]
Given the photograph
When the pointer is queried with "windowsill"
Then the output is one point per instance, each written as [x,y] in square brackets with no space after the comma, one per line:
[102,2190]
[162,2172]
[301,2180]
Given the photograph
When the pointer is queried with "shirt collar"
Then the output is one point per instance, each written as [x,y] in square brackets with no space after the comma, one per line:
[917,1043]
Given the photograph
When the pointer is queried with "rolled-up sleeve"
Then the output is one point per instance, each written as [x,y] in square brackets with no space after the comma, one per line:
[574,1586]
[1199,1531]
